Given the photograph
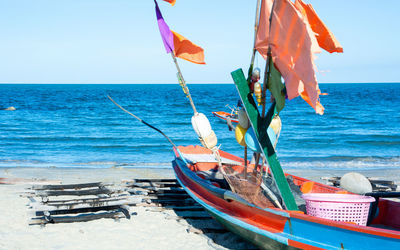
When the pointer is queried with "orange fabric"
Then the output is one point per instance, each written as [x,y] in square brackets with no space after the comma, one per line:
[307,187]
[325,37]
[262,42]
[172,2]
[319,109]
[293,45]
[187,50]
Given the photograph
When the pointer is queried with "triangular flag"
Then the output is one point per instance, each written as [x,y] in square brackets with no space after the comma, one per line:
[187,50]
[172,2]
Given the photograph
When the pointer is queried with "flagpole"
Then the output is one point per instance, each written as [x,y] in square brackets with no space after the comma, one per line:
[256,23]
[183,83]
[267,65]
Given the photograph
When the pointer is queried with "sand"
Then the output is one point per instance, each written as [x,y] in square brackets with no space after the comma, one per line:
[146,230]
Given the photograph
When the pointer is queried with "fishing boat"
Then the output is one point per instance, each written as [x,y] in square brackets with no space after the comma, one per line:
[256,199]
[225,116]
[269,227]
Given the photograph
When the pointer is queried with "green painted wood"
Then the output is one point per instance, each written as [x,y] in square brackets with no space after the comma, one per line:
[260,126]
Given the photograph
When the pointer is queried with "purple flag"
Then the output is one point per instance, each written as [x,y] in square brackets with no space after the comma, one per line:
[166,34]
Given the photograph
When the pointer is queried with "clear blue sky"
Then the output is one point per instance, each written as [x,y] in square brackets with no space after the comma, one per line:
[117,41]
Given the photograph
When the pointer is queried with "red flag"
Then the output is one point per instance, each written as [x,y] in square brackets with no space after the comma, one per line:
[325,37]
[172,2]
[187,50]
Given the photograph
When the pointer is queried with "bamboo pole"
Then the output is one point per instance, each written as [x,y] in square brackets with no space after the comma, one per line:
[256,24]
[267,72]
[183,83]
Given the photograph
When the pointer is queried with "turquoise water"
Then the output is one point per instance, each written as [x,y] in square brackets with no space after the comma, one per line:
[61,125]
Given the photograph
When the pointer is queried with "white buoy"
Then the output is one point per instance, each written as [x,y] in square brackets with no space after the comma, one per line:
[355,183]
[203,129]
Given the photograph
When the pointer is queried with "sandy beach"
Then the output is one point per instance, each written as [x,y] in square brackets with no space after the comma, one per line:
[148,229]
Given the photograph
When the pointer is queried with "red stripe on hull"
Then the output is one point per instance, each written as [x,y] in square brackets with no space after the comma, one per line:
[300,245]
[249,215]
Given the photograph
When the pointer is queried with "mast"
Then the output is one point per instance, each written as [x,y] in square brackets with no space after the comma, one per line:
[256,23]
[267,73]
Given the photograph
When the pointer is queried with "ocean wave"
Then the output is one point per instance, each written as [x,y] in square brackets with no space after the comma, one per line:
[343,162]
[91,164]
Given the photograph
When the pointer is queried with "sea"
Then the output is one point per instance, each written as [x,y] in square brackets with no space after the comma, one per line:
[77,126]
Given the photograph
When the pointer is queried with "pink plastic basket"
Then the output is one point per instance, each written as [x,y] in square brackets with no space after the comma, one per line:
[339,207]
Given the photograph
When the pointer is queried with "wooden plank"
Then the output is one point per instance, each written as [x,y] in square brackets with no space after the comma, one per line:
[79,218]
[154,180]
[77,210]
[260,126]
[41,207]
[152,184]
[96,191]
[70,186]
[88,200]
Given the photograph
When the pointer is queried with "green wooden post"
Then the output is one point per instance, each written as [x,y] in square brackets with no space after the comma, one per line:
[260,126]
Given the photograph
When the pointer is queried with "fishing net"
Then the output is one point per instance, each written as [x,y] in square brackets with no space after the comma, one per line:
[248,188]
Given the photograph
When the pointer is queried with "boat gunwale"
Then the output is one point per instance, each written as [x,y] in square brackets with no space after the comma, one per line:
[387,233]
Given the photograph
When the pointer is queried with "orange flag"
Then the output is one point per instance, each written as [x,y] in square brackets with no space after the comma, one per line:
[172,2]
[325,37]
[293,45]
[262,42]
[187,50]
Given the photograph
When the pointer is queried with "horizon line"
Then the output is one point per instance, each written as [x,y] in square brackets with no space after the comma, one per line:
[49,83]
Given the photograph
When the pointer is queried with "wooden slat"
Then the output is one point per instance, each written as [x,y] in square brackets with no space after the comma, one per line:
[77,210]
[155,180]
[96,191]
[79,218]
[81,205]
[70,186]
[86,200]
[260,126]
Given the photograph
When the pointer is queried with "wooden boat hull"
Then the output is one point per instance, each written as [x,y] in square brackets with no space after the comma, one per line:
[272,228]
[224,116]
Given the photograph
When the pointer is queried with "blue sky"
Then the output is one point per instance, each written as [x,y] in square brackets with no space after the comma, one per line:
[117,41]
